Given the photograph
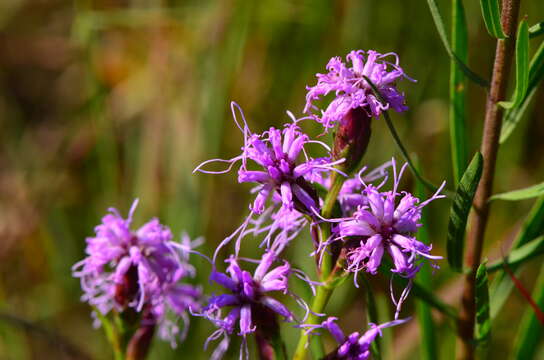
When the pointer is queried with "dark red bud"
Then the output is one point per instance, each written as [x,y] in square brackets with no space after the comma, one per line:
[351,139]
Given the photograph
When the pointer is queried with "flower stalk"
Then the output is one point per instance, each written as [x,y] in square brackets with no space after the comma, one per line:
[489,149]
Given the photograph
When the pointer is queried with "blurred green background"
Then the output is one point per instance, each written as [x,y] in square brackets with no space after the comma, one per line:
[102,101]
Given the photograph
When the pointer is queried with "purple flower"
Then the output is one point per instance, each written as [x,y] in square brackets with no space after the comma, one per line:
[354,346]
[248,296]
[352,90]
[138,270]
[276,155]
[386,224]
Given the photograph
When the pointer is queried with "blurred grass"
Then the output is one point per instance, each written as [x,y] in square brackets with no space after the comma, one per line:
[102,101]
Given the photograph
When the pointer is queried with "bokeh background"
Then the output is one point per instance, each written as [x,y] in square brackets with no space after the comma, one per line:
[104,101]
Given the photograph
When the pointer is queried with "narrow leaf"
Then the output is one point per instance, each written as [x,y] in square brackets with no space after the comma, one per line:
[521,194]
[483,322]
[536,29]
[522,67]
[462,202]
[457,114]
[520,255]
[531,330]
[492,18]
[502,285]
[536,74]
[439,23]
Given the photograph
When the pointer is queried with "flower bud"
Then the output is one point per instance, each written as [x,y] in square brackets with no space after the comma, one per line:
[351,139]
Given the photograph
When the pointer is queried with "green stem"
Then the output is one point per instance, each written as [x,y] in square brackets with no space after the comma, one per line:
[326,273]
[318,305]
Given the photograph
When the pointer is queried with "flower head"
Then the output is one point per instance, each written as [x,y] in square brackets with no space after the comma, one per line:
[351,88]
[248,296]
[386,224]
[355,346]
[138,270]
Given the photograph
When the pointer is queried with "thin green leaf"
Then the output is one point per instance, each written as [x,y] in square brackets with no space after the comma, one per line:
[536,73]
[502,285]
[439,23]
[522,67]
[530,331]
[458,136]
[520,255]
[536,29]
[492,18]
[521,194]
[462,202]
[483,322]
[401,147]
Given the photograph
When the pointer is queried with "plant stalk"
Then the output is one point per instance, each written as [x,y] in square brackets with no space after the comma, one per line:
[489,149]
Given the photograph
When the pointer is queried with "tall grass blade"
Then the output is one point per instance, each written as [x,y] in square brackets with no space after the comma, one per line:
[521,194]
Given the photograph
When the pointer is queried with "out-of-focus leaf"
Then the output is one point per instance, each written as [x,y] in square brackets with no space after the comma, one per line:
[372,314]
[483,322]
[536,29]
[531,330]
[502,285]
[460,208]
[492,18]
[522,67]
[424,279]
[520,255]
[439,23]
[536,74]
[433,301]
[458,136]
[521,194]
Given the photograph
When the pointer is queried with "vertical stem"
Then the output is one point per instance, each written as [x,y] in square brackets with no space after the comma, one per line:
[490,145]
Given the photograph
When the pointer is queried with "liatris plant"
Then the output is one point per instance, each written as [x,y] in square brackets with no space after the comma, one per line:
[362,224]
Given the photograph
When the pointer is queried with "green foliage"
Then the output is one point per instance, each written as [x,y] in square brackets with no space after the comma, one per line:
[521,194]
[522,67]
[457,114]
[492,18]
[483,322]
[536,29]
[520,255]
[441,29]
[459,211]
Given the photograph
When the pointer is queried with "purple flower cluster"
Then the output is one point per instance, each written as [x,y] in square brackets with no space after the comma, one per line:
[140,270]
[353,91]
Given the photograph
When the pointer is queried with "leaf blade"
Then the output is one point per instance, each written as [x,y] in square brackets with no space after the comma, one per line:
[520,255]
[460,209]
[483,322]
[492,18]
[536,29]
[536,74]
[439,24]
[522,67]
[457,113]
[521,194]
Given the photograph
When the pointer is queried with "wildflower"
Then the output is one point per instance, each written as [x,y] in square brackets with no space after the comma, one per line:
[248,297]
[137,270]
[385,225]
[276,152]
[354,346]
[352,90]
